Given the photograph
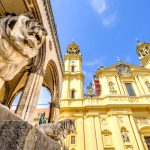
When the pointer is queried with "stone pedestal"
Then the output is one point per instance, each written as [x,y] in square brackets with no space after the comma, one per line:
[16,134]
[19,135]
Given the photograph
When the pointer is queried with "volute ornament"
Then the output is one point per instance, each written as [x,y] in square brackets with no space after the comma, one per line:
[20,39]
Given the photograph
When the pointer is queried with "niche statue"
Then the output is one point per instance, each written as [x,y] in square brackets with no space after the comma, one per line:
[20,39]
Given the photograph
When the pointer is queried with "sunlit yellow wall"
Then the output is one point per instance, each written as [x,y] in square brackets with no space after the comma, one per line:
[72,80]
[102,121]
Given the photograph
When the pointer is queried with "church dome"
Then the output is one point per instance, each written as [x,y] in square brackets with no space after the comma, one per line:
[73,48]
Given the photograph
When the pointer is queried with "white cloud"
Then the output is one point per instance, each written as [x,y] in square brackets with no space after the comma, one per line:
[109,20]
[106,11]
[99,5]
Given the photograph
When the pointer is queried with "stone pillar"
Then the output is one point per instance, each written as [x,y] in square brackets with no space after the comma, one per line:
[116,134]
[1,82]
[137,136]
[30,96]
[80,136]
[98,133]
[141,81]
[55,108]
[29,99]
[120,86]
[90,141]
[139,86]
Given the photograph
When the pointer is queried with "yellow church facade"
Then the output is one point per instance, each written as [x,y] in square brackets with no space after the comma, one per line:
[115,116]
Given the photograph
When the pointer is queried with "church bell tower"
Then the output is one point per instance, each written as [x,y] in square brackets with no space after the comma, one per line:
[73,78]
[143,50]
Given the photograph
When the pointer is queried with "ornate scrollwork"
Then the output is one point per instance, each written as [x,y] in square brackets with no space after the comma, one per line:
[123,70]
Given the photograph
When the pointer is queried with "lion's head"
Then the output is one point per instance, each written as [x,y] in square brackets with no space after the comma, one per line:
[24,33]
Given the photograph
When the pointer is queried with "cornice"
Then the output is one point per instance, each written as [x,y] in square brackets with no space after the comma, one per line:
[72,56]
[51,22]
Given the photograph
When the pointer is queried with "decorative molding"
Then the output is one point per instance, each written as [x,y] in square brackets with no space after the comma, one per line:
[123,70]
[55,104]
[52,26]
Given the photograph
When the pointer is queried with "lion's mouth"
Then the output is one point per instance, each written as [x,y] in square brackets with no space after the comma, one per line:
[34,39]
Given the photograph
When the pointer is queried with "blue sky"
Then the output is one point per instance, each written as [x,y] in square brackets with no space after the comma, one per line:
[104,29]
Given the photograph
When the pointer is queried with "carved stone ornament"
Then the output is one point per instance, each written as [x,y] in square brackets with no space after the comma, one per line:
[20,39]
[55,104]
[123,70]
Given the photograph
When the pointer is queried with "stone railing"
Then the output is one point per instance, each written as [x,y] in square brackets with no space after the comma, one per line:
[107,101]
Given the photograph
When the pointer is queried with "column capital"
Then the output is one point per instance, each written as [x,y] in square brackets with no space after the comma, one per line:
[55,104]
[37,70]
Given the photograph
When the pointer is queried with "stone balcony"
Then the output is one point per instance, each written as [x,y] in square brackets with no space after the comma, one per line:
[107,101]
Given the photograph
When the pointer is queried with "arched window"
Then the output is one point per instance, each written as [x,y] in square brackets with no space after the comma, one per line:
[44,98]
[107,138]
[16,101]
[73,94]
[72,68]
[42,114]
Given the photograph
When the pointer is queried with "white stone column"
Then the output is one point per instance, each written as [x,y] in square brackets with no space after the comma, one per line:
[143,84]
[137,136]
[31,92]
[120,86]
[90,141]
[80,134]
[1,82]
[139,86]
[116,133]
[98,133]
[29,99]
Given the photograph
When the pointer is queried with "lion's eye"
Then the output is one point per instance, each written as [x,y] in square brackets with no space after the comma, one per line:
[12,23]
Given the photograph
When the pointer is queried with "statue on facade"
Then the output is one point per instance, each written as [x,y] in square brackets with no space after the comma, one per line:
[58,131]
[20,39]
[147,84]
[111,87]
[125,137]
[42,119]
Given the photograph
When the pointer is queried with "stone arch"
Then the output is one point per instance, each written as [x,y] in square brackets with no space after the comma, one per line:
[145,135]
[107,138]
[51,81]
[15,96]
[144,129]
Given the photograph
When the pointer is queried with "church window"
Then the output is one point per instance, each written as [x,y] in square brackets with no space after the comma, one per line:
[72,69]
[73,139]
[16,101]
[147,140]
[73,94]
[107,138]
[130,89]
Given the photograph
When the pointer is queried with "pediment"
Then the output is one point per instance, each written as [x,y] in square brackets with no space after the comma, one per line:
[123,68]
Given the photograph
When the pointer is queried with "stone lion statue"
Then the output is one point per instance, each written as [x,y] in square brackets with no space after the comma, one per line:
[20,39]
[58,131]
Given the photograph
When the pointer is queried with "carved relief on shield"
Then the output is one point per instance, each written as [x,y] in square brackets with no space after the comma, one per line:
[123,70]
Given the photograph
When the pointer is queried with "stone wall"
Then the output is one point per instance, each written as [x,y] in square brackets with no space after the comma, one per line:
[16,134]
